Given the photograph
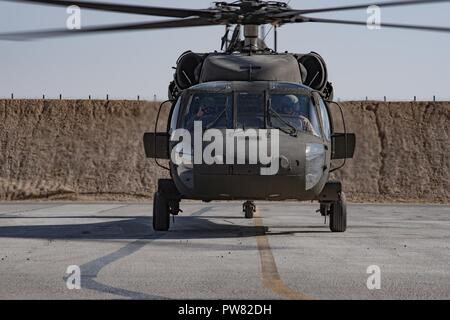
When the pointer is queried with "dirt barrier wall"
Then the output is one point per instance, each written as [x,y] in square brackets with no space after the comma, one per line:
[92,150]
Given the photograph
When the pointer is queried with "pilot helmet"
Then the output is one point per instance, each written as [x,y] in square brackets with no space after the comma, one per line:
[290,104]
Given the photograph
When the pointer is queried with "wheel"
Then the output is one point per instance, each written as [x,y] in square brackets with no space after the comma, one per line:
[161,215]
[249,209]
[338,215]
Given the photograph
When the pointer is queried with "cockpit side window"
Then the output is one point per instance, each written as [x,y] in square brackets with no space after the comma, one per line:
[214,110]
[297,111]
[174,118]
[325,119]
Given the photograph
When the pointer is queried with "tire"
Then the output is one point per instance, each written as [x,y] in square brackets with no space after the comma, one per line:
[338,215]
[161,215]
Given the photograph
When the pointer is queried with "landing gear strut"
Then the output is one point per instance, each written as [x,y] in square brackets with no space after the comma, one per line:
[249,208]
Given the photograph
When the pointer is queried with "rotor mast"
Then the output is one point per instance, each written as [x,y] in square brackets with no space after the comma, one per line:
[251,36]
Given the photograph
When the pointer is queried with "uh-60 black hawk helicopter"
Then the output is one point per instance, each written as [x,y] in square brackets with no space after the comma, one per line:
[239,100]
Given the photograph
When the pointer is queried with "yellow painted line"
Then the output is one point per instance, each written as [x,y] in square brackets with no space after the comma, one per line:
[269,272]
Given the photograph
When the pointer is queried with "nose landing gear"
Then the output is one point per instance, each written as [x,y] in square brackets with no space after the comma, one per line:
[166,202]
[337,210]
[249,208]
[338,214]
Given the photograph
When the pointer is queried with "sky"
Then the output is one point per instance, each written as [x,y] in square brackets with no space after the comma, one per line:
[398,64]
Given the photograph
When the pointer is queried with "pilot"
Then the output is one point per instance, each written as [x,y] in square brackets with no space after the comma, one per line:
[291,108]
[289,105]
[204,112]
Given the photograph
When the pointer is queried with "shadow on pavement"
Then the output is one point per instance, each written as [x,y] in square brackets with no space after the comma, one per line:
[191,227]
[140,227]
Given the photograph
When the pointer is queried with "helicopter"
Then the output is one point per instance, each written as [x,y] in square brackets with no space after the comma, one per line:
[247,123]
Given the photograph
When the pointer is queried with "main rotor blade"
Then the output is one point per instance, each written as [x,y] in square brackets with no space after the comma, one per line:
[178,23]
[388,25]
[125,8]
[384,4]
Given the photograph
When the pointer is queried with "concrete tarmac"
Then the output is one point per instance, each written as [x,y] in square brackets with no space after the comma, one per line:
[213,252]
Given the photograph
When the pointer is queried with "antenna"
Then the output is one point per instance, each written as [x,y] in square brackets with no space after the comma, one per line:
[275,38]
[225,40]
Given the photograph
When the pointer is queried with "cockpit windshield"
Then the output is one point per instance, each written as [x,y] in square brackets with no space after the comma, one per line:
[294,113]
[214,110]
[288,108]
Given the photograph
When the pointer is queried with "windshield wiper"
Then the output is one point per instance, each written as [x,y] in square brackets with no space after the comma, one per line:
[292,132]
[217,119]
[289,132]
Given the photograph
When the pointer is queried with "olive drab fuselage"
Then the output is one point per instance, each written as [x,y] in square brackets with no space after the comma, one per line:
[243,181]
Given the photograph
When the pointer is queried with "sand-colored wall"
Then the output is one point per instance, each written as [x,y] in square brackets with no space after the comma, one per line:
[402,154]
[93,150]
